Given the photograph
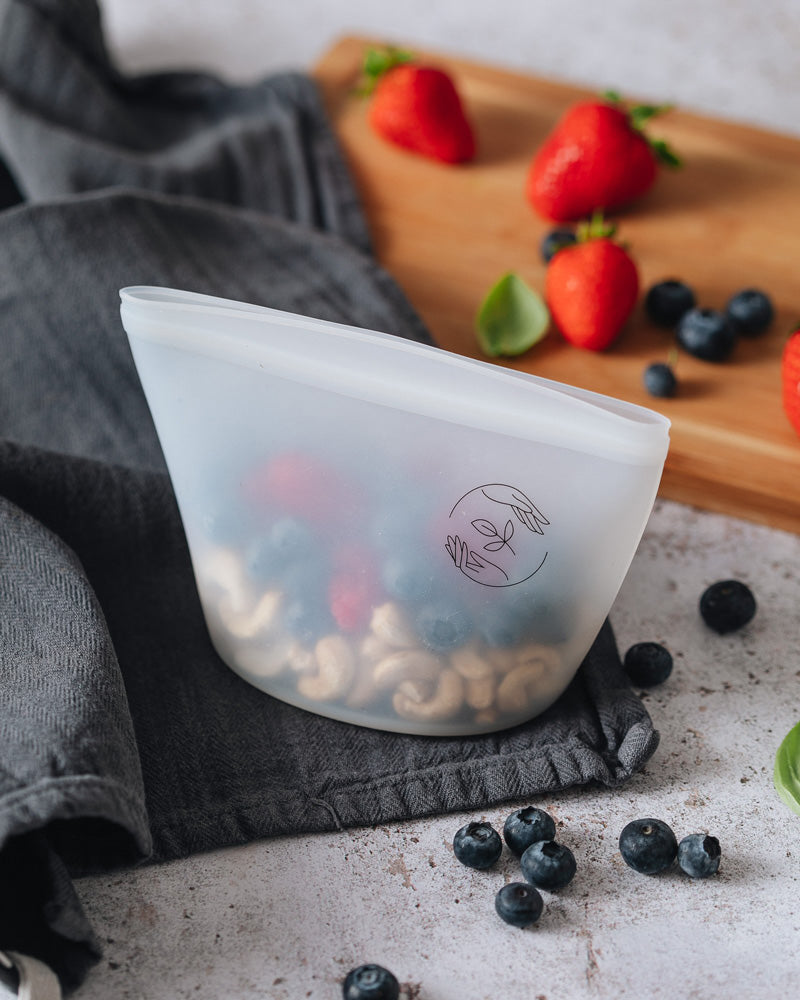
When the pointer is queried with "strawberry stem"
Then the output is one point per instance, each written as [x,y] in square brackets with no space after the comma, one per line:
[378,62]
[638,116]
[594,228]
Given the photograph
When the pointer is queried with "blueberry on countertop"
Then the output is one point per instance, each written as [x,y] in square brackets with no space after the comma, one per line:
[548,865]
[477,845]
[727,605]
[659,380]
[370,982]
[648,846]
[666,301]
[528,826]
[707,334]
[648,663]
[699,854]
[750,312]
[519,904]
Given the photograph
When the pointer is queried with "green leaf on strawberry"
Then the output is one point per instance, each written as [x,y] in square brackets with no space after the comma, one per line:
[378,62]
[638,116]
[512,318]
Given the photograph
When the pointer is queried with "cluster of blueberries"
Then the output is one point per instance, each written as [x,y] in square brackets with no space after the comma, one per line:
[648,845]
[707,334]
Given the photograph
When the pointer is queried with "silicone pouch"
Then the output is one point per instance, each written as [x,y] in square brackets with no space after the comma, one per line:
[384,532]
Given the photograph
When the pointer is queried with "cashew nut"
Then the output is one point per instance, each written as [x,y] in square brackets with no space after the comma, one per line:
[521,685]
[417,690]
[301,659]
[535,651]
[445,702]
[486,717]
[405,665]
[267,659]
[371,651]
[502,658]
[390,623]
[260,620]
[336,665]
[222,570]
[471,663]
[480,691]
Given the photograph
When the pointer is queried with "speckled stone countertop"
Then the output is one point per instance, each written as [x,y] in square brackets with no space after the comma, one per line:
[287,918]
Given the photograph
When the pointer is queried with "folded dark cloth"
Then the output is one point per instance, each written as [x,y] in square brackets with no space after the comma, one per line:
[123,737]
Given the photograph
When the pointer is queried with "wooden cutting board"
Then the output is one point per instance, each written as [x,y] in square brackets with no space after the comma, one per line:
[728,220]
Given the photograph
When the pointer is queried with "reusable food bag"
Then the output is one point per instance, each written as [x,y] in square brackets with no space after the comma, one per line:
[384,532]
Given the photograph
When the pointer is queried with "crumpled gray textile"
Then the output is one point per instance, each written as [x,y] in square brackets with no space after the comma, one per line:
[123,737]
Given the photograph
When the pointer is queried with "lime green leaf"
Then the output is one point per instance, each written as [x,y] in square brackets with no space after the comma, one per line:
[378,62]
[787,769]
[512,318]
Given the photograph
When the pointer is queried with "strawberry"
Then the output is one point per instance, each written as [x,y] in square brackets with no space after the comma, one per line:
[591,287]
[790,373]
[417,107]
[597,157]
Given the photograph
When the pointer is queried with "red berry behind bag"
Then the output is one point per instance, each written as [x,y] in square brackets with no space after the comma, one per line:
[790,375]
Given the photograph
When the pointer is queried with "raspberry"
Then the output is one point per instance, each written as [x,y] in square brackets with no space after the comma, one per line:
[354,589]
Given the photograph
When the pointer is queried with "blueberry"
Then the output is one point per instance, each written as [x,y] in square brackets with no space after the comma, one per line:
[407,578]
[443,626]
[659,380]
[519,904]
[648,846]
[548,864]
[698,855]
[554,241]
[287,541]
[667,301]
[307,619]
[501,624]
[370,982]
[648,663]
[707,334]
[727,605]
[528,826]
[750,312]
[477,845]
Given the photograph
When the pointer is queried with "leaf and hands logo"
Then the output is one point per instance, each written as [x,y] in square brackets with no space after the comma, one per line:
[496,536]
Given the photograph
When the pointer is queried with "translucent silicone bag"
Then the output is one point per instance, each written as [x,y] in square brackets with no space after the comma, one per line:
[384,532]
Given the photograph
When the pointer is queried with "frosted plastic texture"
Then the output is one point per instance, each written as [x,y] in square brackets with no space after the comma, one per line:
[383,532]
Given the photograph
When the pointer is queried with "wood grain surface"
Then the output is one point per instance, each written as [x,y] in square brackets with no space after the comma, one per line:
[729,219]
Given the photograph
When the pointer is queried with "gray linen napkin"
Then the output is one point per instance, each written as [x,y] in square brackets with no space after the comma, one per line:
[123,737]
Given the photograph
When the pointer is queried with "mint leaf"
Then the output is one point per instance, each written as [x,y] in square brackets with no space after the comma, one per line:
[786,776]
[512,318]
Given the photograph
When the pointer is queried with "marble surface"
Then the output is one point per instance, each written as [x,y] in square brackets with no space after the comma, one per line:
[287,918]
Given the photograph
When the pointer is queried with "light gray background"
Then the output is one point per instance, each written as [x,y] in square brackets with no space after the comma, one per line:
[735,58]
